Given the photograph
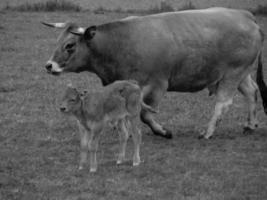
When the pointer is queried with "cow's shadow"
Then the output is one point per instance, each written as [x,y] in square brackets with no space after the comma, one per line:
[227,133]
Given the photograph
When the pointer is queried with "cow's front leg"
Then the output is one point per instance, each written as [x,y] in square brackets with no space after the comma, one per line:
[151,96]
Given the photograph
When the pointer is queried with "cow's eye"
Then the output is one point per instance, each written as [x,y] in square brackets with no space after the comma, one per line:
[69,46]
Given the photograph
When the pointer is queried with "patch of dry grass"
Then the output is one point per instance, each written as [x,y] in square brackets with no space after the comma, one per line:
[39,153]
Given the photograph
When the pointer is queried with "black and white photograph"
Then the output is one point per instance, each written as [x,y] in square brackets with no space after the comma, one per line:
[133,99]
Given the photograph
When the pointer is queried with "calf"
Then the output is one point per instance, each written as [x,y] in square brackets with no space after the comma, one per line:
[118,104]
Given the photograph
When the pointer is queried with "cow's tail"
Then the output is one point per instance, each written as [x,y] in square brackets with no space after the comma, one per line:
[261,84]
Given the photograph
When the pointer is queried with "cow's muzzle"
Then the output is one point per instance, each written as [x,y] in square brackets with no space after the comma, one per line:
[48,67]
[53,68]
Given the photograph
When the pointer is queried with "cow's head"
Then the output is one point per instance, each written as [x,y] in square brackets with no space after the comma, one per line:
[72,53]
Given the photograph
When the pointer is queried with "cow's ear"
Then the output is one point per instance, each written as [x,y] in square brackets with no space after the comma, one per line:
[90,32]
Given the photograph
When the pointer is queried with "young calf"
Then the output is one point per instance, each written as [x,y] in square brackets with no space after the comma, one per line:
[118,104]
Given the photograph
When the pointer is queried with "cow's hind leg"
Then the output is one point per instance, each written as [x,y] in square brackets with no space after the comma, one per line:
[224,95]
[124,135]
[249,89]
[151,96]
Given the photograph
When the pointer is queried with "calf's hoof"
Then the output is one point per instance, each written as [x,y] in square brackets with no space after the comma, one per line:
[92,170]
[166,134]
[200,137]
[136,163]
[119,162]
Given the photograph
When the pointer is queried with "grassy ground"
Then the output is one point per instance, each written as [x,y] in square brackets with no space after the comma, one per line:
[146,4]
[39,151]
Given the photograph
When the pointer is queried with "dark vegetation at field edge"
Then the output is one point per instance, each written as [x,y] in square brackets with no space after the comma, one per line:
[65,5]
[48,6]
[162,7]
[260,10]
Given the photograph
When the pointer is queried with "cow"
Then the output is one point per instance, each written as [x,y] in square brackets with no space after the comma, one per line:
[118,105]
[183,51]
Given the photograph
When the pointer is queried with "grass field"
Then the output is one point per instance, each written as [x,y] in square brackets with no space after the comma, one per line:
[146,4]
[39,148]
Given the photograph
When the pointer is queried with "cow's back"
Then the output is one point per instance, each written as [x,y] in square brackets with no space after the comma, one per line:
[187,48]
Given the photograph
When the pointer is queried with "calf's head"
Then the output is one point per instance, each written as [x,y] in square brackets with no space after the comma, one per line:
[71,101]
[72,53]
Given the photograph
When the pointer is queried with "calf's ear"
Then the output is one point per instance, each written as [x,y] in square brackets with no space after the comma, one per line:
[90,32]
[70,85]
[83,93]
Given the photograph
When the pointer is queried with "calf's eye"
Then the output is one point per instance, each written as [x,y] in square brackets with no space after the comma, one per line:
[72,100]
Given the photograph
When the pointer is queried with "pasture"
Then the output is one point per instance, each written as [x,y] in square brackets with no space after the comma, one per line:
[147,4]
[39,147]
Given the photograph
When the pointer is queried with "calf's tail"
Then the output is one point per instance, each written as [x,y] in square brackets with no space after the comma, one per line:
[148,108]
[261,84]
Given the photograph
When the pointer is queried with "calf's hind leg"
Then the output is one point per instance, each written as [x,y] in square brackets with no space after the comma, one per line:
[136,135]
[123,134]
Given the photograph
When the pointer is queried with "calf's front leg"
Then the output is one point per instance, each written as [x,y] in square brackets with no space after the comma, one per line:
[84,148]
[93,146]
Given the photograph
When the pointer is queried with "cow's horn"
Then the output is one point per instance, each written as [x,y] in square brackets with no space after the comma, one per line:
[78,31]
[55,25]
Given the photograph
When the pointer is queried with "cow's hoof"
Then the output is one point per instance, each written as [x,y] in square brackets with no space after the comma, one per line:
[208,137]
[247,131]
[200,137]
[167,134]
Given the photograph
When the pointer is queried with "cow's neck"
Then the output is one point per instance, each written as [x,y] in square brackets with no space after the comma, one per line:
[103,60]
[106,71]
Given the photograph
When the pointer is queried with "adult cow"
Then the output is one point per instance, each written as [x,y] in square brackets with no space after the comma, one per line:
[184,51]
